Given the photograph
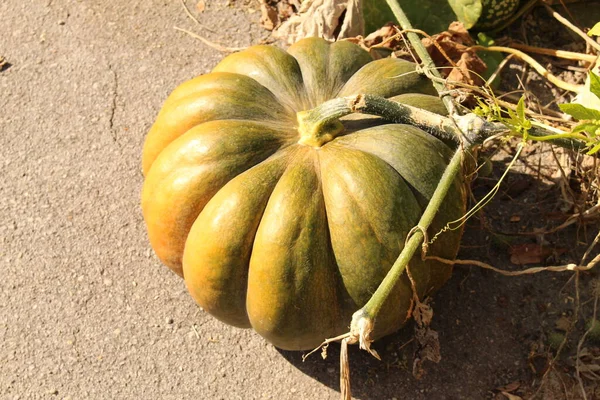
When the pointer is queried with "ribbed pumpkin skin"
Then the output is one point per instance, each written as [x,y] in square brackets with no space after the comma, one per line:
[281,237]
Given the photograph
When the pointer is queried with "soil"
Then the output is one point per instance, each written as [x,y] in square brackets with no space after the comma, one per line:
[88,312]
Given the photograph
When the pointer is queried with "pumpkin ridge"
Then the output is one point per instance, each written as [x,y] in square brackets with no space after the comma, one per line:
[288,258]
[417,195]
[363,213]
[356,241]
[325,67]
[232,96]
[394,77]
[216,82]
[261,63]
[346,302]
[220,243]
[215,166]
[401,139]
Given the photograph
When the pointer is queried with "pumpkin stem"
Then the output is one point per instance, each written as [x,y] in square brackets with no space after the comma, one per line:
[321,124]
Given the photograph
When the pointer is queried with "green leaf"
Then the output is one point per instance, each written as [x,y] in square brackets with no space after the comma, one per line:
[595,84]
[589,127]
[595,31]
[521,108]
[485,40]
[580,112]
[467,11]
[513,116]
[594,149]
[432,16]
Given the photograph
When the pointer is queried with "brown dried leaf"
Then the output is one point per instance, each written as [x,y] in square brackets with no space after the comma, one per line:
[452,49]
[468,69]
[452,43]
[589,368]
[328,19]
[512,396]
[200,6]
[428,344]
[507,389]
[269,17]
[428,349]
[286,9]
[386,36]
[423,314]
[532,253]
[511,387]
[563,324]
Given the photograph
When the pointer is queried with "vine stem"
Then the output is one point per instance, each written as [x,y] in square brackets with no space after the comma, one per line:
[315,125]
[572,27]
[567,55]
[537,66]
[427,62]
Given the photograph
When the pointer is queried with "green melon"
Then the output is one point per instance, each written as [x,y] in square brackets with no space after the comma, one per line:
[495,12]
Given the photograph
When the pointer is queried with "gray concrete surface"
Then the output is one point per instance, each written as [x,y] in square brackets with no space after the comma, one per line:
[86,311]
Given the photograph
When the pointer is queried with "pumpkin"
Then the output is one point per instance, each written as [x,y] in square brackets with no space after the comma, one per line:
[273,230]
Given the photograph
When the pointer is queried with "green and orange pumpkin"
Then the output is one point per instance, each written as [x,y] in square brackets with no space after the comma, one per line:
[287,238]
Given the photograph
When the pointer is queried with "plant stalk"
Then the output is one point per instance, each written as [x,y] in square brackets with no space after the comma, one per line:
[427,62]
[468,129]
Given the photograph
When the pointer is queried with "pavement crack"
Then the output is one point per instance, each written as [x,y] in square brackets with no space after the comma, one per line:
[113,106]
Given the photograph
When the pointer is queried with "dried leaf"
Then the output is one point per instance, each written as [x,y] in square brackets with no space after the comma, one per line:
[382,43]
[511,396]
[428,344]
[423,314]
[200,6]
[589,368]
[563,324]
[468,69]
[532,253]
[452,49]
[515,218]
[511,387]
[428,349]
[268,17]
[285,9]
[328,19]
